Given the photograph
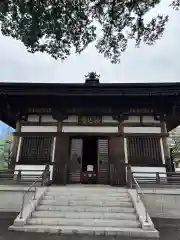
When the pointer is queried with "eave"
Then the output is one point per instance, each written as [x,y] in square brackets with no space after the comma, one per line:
[28,91]
[114,89]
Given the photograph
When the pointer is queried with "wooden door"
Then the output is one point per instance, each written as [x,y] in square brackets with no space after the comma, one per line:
[61,159]
[103,161]
[75,160]
[117,161]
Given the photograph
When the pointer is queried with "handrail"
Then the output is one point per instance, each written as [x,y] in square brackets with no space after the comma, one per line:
[140,193]
[42,176]
[157,178]
[24,195]
[16,170]
[175,173]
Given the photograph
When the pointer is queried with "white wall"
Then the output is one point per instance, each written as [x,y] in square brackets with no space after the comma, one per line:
[108,119]
[125,150]
[105,119]
[163,203]
[134,119]
[150,119]
[73,119]
[39,129]
[53,149]
[47,118]
[151,171]
[38,169]
[142,130]
[145,119]
[90,129]
[33,118]
[11,197]
[19,149]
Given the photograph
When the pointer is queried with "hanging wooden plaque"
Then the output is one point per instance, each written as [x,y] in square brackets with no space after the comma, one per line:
[90,120]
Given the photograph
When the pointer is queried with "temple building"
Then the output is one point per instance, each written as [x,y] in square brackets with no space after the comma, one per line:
[91,131]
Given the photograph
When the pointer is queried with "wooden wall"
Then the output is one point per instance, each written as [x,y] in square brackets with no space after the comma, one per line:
[138,140]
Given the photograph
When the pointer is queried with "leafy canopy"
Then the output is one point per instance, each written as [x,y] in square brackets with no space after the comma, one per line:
[174,143]
[4,151]
[60,27]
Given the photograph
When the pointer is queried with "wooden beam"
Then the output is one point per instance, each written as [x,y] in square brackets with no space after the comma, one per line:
[156,135]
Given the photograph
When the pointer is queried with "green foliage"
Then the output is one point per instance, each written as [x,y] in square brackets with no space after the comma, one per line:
[5,152]
[62,27]
[175,145]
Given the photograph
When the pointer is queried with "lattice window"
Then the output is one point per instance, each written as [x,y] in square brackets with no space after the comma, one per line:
[36,149]
[144,151]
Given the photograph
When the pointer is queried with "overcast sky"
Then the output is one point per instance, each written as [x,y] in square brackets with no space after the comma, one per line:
[145,64]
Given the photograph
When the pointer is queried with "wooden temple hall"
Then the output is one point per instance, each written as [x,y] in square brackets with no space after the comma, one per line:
[90,132]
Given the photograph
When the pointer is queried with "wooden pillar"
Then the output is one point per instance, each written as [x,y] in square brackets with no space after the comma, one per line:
[120,118]
[117,161]
[120,127]
[59,125]
[117,154]
[15,146]
[61,157]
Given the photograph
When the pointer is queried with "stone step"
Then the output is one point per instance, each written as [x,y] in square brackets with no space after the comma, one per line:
[85,209]
[84,215]
[136,233]
[94,195]
[84,222]
[85,198]
[87,203]
[86,188]
[86,193]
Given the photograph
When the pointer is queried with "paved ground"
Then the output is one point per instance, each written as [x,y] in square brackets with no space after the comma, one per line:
[169,230]
[8,235]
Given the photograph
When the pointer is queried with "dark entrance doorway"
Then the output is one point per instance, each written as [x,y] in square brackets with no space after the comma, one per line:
[89,159]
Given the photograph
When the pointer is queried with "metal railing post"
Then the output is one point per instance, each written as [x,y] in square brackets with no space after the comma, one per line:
[22,207]
[146,220]
[137,196]
[140,193]
[46,176]
[19,175]
[129,177]
[34,195]
[158,178]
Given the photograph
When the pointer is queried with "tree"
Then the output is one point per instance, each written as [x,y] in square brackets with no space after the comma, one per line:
[60,27]
[175,146]
[5,151]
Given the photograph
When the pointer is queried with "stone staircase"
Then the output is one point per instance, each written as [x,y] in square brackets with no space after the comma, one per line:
[89,210]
